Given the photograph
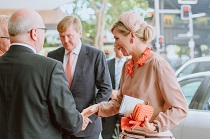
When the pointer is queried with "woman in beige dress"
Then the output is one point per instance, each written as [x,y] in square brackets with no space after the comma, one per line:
[146,76]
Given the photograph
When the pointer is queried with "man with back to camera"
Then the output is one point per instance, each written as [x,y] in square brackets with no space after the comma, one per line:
[4,36]
[35,102]
[87,73]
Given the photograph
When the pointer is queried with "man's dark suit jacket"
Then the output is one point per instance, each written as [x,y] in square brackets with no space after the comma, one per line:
[35,102]
[111,66]
[91,83]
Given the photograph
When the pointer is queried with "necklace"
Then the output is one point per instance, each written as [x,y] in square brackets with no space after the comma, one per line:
[140,62]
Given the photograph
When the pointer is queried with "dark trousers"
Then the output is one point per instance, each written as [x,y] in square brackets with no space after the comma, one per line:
[95,136]
[108,126]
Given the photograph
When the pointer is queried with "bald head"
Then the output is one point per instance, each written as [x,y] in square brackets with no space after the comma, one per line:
[24,20]
[24,27]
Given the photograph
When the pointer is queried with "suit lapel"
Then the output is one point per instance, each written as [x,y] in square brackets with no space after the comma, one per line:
[60,54]
[112,71]
[83,54]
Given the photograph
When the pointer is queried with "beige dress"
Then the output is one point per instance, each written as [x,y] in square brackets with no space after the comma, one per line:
[156,83]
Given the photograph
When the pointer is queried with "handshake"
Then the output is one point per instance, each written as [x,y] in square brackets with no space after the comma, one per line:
[88,112]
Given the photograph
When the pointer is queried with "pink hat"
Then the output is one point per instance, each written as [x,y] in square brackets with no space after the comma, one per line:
[131,20]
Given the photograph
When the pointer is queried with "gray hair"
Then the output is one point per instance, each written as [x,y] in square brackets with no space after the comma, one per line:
[19,26]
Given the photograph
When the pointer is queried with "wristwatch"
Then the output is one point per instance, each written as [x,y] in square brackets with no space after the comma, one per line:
[156,126]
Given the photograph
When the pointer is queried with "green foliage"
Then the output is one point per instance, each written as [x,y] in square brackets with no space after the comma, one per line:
[119,6]
[113,10]
[183,50]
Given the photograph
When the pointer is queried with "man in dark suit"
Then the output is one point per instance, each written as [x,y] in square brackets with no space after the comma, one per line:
[90,80]
[35,102]
[115,67]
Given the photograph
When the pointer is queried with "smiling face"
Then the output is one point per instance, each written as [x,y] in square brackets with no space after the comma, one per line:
[118,53]
[122,42]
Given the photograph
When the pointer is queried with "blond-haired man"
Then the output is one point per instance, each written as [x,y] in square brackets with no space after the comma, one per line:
[89,80]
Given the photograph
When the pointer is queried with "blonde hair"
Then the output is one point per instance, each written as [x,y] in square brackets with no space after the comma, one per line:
[145,33]
[133,22]
[68,21]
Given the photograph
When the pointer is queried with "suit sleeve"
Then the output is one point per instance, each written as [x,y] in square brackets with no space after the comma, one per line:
[103,81]
[61,101]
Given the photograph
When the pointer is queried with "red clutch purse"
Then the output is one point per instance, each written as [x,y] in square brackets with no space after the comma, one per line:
[142,110]
[137,116]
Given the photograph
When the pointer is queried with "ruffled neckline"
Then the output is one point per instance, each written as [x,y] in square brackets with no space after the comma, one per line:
[141,61]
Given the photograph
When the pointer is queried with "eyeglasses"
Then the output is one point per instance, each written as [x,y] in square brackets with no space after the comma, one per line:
[45,30]
[4,37]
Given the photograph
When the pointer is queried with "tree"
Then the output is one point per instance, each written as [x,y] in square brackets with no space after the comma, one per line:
[97,16]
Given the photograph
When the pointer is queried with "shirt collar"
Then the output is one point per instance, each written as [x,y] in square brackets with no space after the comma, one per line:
[76,50]
[122,59]
[25,45]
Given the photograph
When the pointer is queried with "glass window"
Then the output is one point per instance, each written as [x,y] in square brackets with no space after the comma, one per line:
[207,107]
[187,70]
[204,66]
[208,22]
[189,87]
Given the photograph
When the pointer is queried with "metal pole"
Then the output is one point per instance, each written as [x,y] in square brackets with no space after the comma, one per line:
[157,25]
[191,42]
[161,17]
[191,24]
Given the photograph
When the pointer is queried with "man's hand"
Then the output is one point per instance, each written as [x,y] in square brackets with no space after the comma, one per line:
[90,110]
[86,121]
[114,94]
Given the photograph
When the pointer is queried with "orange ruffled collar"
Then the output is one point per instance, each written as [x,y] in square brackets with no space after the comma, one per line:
[140,62]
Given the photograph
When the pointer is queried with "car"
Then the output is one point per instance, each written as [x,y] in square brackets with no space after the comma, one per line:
[196,89]
[195,65]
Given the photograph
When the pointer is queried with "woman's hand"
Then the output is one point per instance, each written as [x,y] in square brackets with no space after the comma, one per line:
[90,110]
[114,94]
[147,126]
